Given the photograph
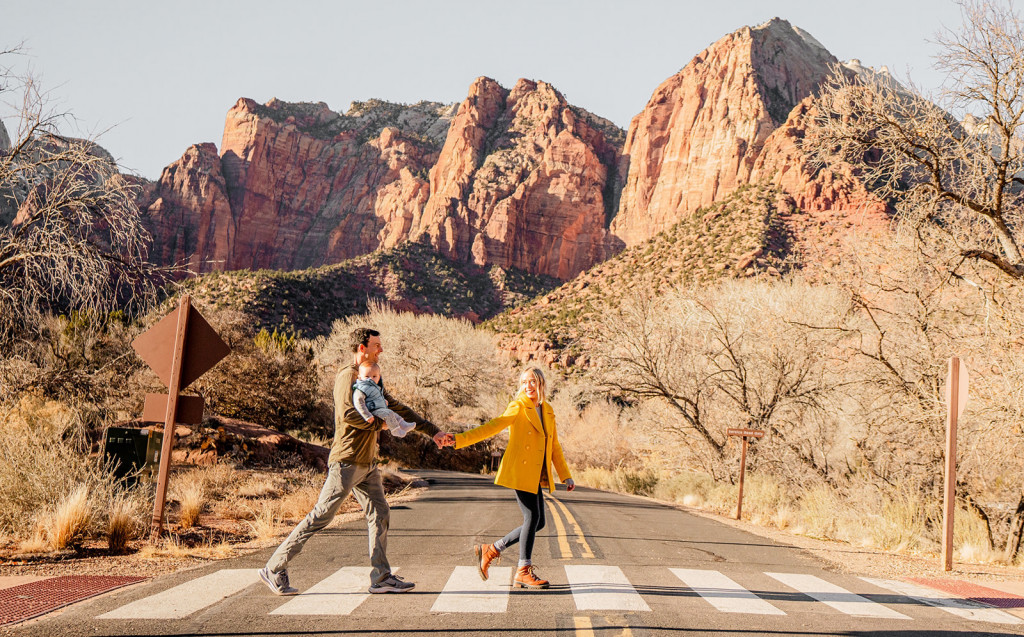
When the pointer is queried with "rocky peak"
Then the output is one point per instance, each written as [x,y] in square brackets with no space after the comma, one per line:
[520,182]
[703,128]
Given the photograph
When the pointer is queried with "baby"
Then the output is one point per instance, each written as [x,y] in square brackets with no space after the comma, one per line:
[369,401]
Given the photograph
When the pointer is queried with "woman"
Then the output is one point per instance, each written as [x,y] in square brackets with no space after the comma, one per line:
[526,468]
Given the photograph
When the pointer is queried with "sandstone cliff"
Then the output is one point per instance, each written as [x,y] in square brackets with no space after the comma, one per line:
[521,182]
[703,129]
[297,185]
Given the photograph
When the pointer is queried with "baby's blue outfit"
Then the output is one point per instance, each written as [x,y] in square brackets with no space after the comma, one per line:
[376,405]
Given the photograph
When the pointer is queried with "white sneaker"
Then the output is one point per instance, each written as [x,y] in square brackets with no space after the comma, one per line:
[277,582]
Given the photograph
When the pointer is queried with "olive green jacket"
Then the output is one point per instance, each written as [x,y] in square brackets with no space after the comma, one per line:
[355,440]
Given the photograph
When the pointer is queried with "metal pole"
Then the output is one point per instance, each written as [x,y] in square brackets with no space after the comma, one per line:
[743,470]
[170,416]
[949,499]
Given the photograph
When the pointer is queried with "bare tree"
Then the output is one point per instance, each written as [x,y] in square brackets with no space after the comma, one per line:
[727,357]
[70,233]
[964,177]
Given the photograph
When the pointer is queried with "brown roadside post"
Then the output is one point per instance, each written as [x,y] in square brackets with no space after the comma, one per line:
[956,399]
[744,434]
[180,348]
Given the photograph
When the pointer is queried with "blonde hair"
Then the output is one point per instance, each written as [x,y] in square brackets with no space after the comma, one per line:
[542,384]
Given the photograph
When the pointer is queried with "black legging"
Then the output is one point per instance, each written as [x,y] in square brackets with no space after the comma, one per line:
[532,505]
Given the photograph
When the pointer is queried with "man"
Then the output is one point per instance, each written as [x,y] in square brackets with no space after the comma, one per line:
[352,467]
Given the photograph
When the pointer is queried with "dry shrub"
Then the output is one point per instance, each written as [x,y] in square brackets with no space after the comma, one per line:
[124,522]
[970,538]
[49,487]
[263,526]
[272,384]
[70,521]
[444,369]
[191,496]
[218,479]
[594,436]
[259,487]
[299,502]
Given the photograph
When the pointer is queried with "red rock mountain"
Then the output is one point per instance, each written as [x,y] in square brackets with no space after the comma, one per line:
[521,182]
[510,177]
[297,185]
[707,129]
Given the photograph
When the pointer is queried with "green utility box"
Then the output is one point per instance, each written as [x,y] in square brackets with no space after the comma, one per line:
[133,453]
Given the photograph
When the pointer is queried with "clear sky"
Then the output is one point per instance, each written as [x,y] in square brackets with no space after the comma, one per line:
[160,76]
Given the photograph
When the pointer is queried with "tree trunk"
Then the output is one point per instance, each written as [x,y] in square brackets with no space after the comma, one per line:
[1016,528]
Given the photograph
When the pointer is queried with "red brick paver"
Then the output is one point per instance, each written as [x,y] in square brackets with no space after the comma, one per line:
[975,592]
[26,601]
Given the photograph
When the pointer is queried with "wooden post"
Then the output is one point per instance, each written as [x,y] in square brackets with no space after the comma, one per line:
[743,433]
[949,498]
[170,416]
[743,471]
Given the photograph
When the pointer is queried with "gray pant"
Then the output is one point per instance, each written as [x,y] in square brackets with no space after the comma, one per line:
[364,482]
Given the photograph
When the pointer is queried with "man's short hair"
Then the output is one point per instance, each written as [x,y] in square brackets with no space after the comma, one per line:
[361,336]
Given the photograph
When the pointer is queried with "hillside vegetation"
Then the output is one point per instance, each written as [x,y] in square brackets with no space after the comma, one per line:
[410,277]
[739,236]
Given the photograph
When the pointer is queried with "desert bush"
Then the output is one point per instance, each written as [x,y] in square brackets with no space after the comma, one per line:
[191,497]
[266,380]
[591,430]
[46,475]
[125,522]
[442,368]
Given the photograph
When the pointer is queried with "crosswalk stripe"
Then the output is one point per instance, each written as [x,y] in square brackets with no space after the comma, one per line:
[338,594]
[723,593]
[965,608]
[602,588]
[185,599]
[465,592]
[838,598]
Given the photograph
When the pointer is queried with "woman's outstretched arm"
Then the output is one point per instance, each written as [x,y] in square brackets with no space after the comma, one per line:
[489,428]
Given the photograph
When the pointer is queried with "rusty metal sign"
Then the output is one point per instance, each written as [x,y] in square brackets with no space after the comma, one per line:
[180,348]
[204,348]
[189,412]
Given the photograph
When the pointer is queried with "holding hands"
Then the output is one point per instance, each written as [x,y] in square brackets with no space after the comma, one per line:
[444,439]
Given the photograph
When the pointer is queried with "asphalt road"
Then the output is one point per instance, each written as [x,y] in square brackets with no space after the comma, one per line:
[618,565]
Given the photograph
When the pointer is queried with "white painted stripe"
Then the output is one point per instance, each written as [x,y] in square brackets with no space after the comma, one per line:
[723,593]
[838,598]
[185,599]
[603,588]
[465,592]
[338,594]
[965,608]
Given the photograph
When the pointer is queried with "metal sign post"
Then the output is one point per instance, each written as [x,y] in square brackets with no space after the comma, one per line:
[744,434]
[956,399]
[180,348]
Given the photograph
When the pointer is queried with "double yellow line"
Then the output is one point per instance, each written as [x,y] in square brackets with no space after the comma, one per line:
[563,538]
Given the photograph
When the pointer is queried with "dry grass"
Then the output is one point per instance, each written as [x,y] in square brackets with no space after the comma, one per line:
[192,498]
[263,526]
[70,521]
[124,523]
[300,501]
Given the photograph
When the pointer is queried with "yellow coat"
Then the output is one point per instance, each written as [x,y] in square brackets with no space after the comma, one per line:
[524,456]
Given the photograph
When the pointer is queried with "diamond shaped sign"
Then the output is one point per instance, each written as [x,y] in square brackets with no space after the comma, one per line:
[204,348]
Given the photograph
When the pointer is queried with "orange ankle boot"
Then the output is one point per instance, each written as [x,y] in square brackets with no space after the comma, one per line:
[526,578]
[485,554]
